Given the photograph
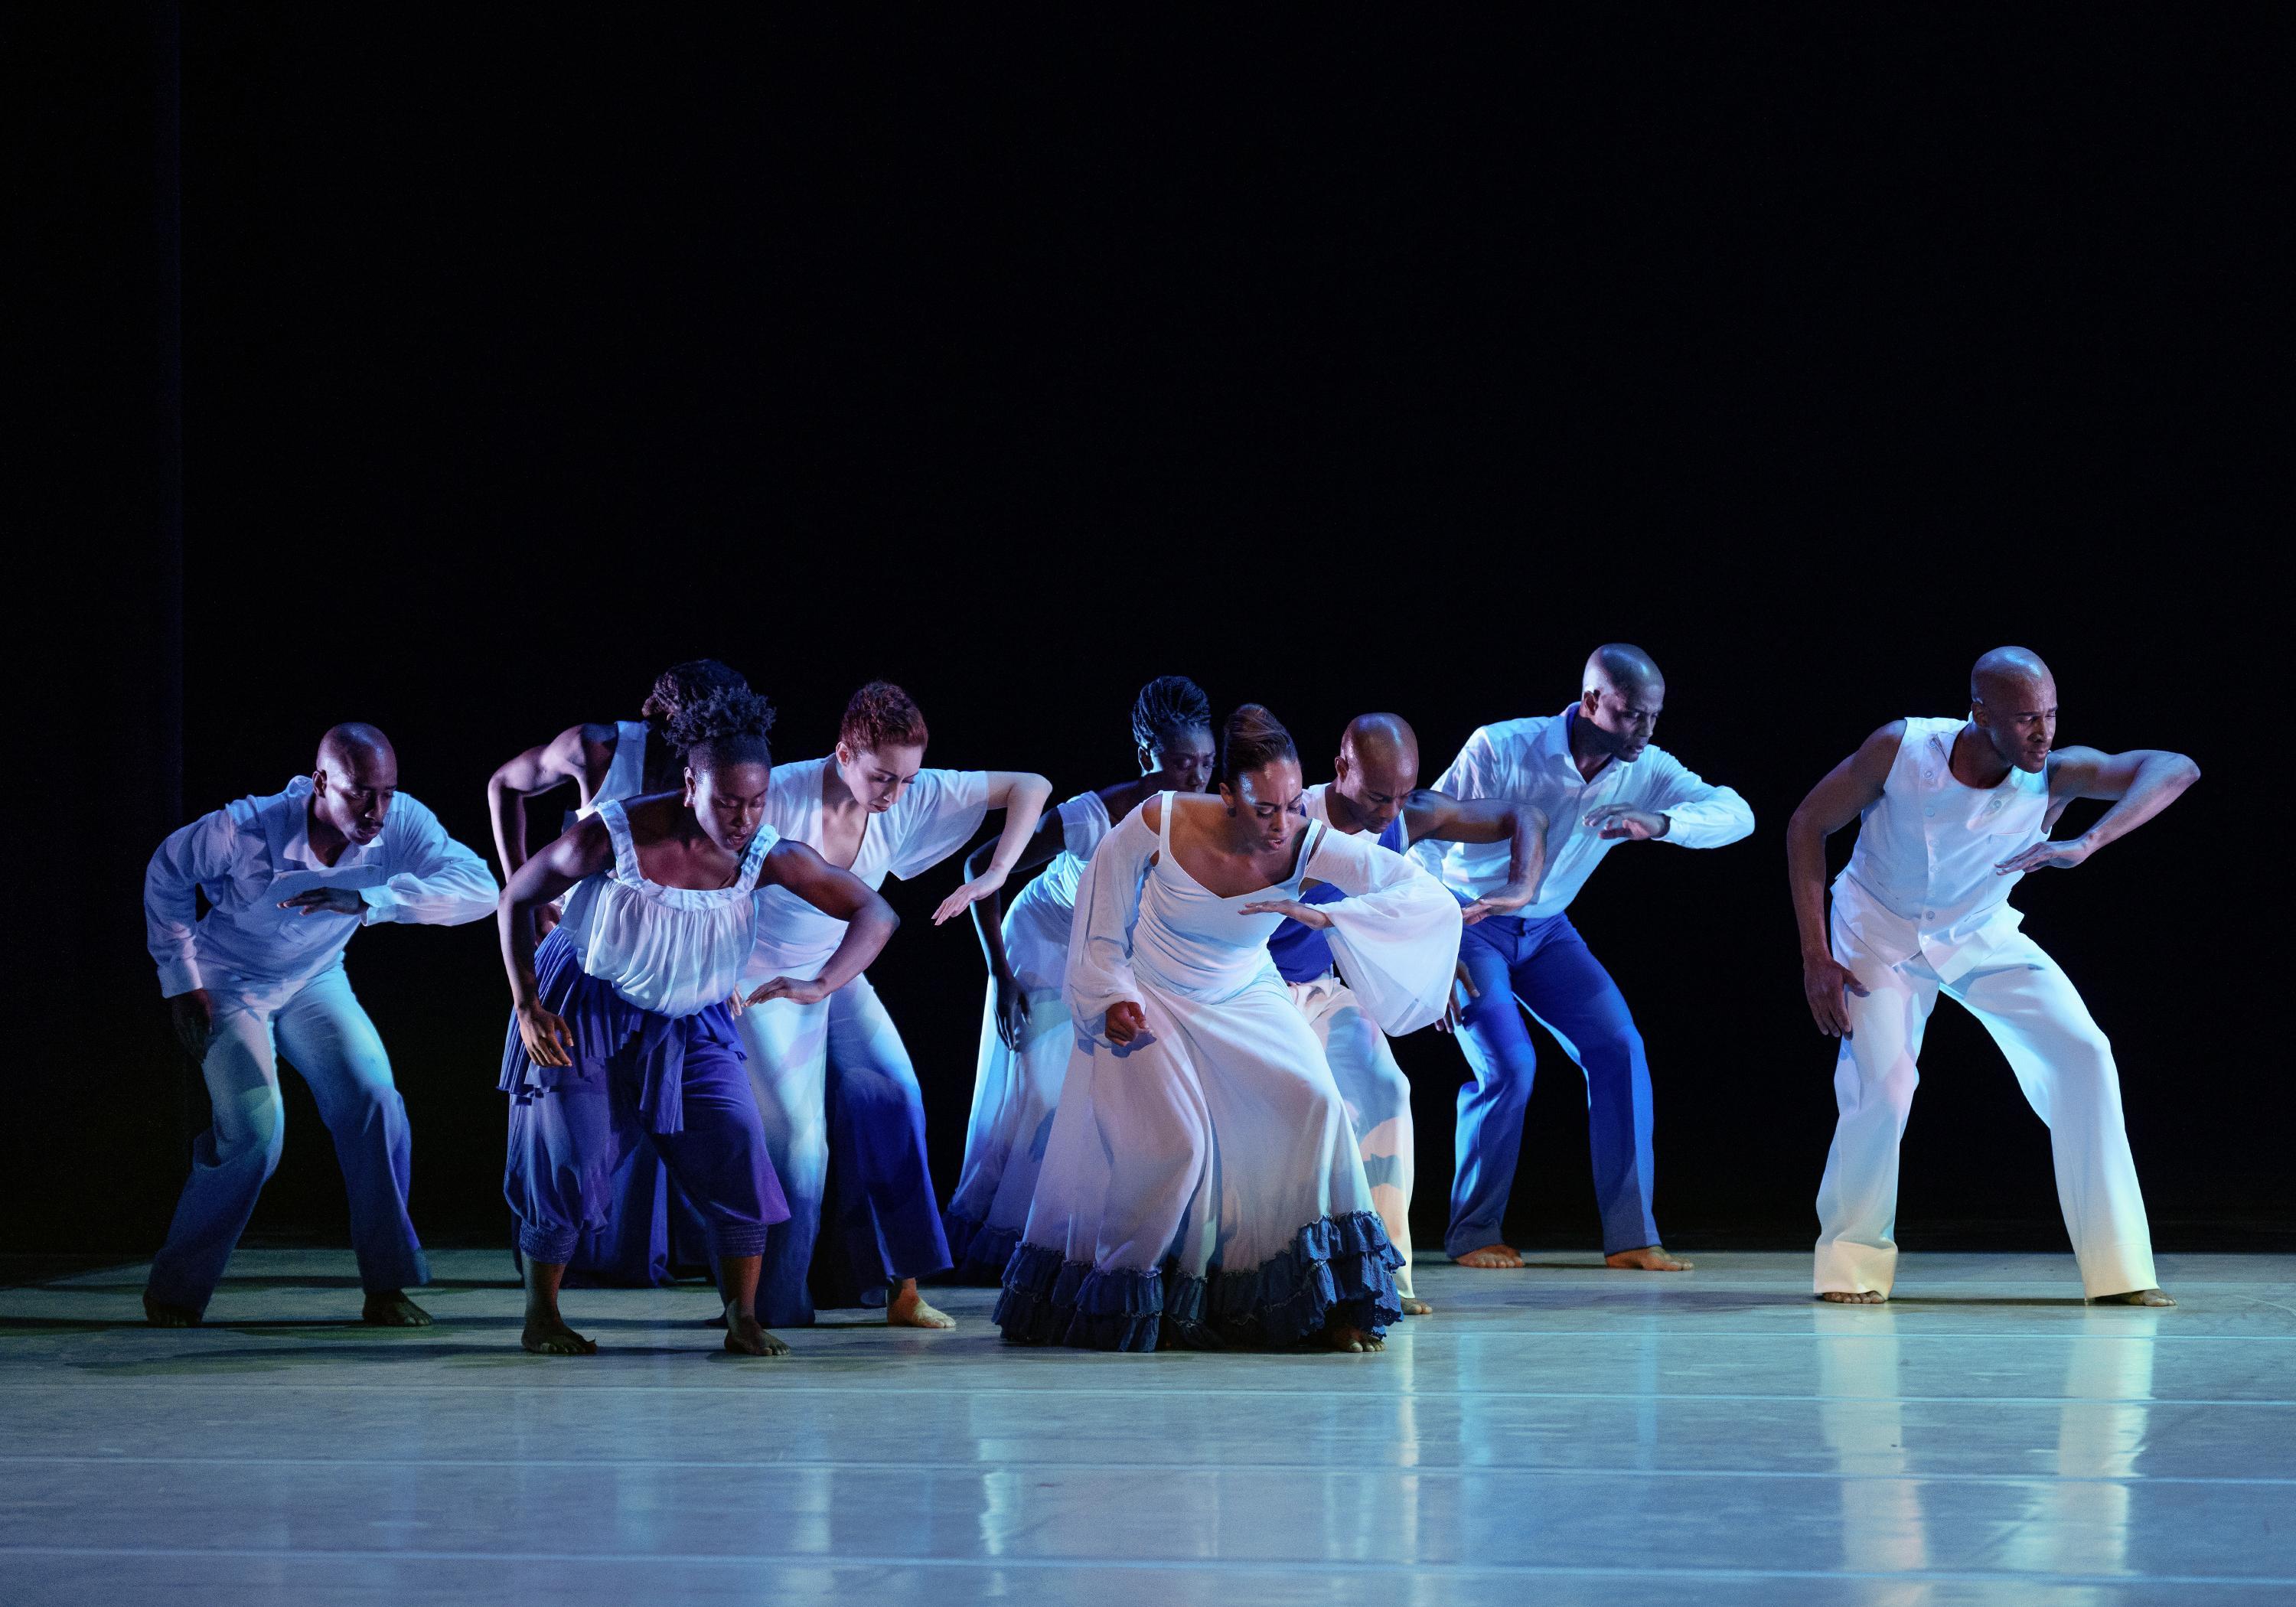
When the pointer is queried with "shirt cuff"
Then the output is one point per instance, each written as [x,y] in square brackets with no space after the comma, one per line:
[179,976]
[382,905]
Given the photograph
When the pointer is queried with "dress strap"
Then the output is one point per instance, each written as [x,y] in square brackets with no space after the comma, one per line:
[753,858]
[625,848]
[1164,823]
[1307,849]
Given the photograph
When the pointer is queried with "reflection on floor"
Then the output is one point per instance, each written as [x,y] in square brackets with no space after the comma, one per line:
[1560,1434]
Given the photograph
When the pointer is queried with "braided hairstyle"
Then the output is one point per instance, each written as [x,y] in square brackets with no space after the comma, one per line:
[681,683]
[1167,709]
[1253,737]
[880,716]
[725,725]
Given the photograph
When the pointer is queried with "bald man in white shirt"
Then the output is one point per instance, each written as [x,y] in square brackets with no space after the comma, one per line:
[1954,813]
[1594,774]
[289,879]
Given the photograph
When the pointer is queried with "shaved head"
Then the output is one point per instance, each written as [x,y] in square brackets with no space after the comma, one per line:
[1382,741]
[346,745]
[2008,673]
[1620,667]
[1376,772]
[355,782]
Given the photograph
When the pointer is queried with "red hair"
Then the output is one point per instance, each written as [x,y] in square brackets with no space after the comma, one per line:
[882,716]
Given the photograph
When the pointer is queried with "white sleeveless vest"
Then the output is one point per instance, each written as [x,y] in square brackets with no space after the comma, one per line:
[1921,880]
[625,775]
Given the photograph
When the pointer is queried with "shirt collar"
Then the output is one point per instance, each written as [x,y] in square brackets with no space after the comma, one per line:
[292,848]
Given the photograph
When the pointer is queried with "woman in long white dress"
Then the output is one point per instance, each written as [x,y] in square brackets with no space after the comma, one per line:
[1202,1185]
[1025,1036]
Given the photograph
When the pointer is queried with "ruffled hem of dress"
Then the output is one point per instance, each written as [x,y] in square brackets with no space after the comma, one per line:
[1337,1269]
[981,1252]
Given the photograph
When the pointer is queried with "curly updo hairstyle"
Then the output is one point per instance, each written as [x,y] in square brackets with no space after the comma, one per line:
[880,716]
[724,727]
[1253,737]
[681,683]
[1167,709]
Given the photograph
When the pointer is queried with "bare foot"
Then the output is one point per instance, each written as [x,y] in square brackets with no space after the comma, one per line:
[160,1314]
[908,1309]
[1854,1297]
[2135,1297]
[391,1309]
[1412,1306]
[1490,1255]
[744,1337]
[550,1336]
[1352,1342]
[1650,1257]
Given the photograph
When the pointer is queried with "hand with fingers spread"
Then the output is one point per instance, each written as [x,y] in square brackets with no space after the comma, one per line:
[1126,1022]
[1827,982]
[1616,822]
[1456,1012]
[2046,856]
[1306,915]
[805,992]
[972,893]
[1012,1008]
[193,1016]
[548,1040]
[334,900]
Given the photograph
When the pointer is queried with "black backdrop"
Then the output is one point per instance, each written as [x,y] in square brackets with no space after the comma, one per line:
[1339,360]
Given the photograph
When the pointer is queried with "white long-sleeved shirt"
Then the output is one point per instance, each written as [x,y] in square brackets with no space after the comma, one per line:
[412,873]
[1528,761]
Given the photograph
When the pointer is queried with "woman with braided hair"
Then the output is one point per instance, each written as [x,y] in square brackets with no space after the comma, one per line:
[1202,1185]
[1025,1036]
[622,1033]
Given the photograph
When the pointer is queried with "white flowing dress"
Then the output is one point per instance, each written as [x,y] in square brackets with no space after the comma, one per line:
[1201,1185]
[1014,1091]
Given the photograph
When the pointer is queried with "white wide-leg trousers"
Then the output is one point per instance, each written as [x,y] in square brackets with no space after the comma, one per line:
[1378,1098]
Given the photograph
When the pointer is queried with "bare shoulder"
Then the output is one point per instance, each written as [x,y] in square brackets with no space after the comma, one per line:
[1885,740]
[2072,768]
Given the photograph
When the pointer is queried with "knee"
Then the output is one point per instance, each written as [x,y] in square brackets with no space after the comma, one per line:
[2085,1059]
[256,1129]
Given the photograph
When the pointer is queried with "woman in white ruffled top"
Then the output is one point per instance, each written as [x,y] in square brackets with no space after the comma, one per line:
[1025,1036]
[622,1031]
[1201,1185]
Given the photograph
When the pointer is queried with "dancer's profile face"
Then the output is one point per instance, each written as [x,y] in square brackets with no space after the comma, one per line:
[352,793]
[1268,803]
[2018,720]
[1622,718]
[729,800]
[879,777]
[1187,758]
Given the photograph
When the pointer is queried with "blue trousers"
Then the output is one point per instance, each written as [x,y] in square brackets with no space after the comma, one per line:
[1544,966]
[328,1038]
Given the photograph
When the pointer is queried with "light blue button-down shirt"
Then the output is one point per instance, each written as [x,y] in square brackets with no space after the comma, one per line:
[1528,761]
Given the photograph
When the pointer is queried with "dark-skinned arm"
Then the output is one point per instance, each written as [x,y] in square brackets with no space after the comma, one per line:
[1430,814]
[584,851]
[869,921]
[2140,783]
[576,754]
[989,921]
[1849,789]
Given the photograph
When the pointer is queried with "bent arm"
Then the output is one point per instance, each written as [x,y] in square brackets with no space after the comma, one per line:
[1043,844]
[1022,794]
[1108,908]
[1849,788]
[435,879]
[199,852]
[869,921]
[584,851]
[1396,934]
[2140,783]
[562,758]
[1522,825]
[1699,814]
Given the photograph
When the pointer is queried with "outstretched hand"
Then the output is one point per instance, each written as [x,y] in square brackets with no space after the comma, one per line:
[1614,822]
[972,893]
[1306,915]
[1011,1010]
[548,1040]
[1827,982]
[1126,1022]
[1454,1013]
[334,900]
[805,992]
[2046,856]
[1504,902]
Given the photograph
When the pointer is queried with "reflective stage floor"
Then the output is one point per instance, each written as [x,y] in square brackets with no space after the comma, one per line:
[1558,1435]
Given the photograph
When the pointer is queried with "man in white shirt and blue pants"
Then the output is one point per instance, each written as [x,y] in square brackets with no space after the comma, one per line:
[288,879]
[1592,772]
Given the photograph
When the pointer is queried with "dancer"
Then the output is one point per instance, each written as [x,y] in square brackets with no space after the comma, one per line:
[1025,1037]
[1594,773]
[288,879]
[833,1070]
[1954,814]
[1375,792]
[651,1232]
[622,1033]
[1201,1185]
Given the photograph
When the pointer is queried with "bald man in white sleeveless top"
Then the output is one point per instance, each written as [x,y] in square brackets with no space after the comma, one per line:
[1955,812]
